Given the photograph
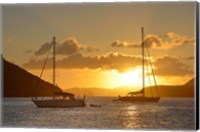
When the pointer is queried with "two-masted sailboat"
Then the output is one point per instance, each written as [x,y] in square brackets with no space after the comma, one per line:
[140,96]
[59,99]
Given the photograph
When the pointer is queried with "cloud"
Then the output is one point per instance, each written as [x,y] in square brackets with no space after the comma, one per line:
[117,43]
[117,61]
[91,49]
[175,39]
[171,66]
[43,49]
[163,66]
[68,46]
[167,41]
[154,41]
[37,64]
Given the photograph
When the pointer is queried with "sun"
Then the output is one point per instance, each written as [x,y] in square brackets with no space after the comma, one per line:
[129,78]
[132,77]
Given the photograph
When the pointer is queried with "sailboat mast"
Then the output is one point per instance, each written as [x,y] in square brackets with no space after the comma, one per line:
[54,59]
[143,77]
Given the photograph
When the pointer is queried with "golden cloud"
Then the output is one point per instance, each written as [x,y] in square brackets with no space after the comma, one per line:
[167,41]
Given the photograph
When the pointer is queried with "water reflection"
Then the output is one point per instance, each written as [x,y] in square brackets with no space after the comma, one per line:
[153,116]
[166,114]
[140,116]
[130,117]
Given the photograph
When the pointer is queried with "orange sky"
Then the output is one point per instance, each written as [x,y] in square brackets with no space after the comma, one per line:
[98,45]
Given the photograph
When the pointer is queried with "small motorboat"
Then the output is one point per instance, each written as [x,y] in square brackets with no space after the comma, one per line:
[94,105]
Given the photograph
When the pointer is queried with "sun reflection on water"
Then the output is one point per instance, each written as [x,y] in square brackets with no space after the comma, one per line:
[131,115]
[140,116]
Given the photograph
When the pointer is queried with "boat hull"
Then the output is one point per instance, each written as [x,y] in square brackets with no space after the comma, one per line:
[92,105]
[140,99]
[58,103]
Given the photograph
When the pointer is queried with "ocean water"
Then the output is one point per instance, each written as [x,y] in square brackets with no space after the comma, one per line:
[167,114]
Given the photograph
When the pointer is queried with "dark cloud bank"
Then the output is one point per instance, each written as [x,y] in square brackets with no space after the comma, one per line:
[164,66]
[73,59]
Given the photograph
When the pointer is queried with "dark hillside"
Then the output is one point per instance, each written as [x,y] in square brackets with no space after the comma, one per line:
[17,82]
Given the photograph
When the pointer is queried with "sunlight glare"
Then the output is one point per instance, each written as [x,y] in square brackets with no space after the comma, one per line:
[131,77]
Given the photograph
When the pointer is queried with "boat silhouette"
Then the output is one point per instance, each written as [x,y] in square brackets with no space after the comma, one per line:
[139,96]
[95,105]
[59,99]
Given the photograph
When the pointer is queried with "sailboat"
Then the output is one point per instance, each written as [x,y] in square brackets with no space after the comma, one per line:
[59,99]
[139,96]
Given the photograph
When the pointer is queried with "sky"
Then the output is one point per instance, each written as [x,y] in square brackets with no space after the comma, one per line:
[98,45]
